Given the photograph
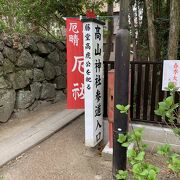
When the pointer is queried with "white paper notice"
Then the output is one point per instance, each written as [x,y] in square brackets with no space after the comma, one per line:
[171,73]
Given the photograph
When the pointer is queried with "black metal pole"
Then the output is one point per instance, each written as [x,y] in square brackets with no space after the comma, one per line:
[122,55]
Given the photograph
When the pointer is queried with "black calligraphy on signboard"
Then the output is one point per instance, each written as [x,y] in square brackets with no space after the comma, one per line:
[98,95]
[97,33]
[98,80]
[87,46]
[93,52]
[98,65]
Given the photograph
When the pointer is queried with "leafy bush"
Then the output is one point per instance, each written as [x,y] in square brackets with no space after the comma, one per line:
[139,167]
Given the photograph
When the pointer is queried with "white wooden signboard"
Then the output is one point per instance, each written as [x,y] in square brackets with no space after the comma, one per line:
[171,73]
[93,81]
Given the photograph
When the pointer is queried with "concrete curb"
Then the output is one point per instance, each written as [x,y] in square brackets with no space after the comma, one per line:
[12,147]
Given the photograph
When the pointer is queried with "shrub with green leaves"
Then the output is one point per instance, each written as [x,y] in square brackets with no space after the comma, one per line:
[139,167]
[168,110]
[172,159]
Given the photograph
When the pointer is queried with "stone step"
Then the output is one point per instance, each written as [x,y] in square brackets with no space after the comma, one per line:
[13,146]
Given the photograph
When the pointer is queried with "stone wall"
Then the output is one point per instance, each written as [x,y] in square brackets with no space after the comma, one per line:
[32,70]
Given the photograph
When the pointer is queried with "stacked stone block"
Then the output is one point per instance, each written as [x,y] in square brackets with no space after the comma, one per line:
[32,70]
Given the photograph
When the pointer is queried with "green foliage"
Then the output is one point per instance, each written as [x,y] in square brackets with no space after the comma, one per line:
[122,174]
[136,157]
[122,108]
[131,137]
[164,149]
[95,5]
[140,168]
[173,159]
[168,110]
[44,17]
[37,16]
[177,130]
[161,21]
[122,138]
[145,171]
[2,25]
[174,163]
[171,87]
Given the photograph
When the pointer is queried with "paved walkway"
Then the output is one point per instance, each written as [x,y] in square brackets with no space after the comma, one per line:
[62,156]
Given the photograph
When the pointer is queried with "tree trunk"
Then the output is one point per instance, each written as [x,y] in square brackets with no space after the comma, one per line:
[151,30]
[157,15]
[174,29]
[157,8]
[137,12]
[142,38]
[168,7]
[109,42]
[133,31]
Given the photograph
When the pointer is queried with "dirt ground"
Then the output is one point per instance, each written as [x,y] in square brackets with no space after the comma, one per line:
[63,156]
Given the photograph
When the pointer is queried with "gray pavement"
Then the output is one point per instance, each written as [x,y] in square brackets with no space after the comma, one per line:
[37,131]
[62,156]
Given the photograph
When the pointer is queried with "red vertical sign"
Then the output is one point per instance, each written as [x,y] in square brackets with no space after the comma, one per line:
[75,64]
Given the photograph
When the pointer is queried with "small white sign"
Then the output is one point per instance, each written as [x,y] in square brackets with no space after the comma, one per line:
[171,73]
[93,82]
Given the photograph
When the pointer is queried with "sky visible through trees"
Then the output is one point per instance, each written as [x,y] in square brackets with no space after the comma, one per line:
[154,24]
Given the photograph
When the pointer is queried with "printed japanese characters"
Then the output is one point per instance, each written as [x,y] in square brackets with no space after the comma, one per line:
[75,64]
[93,78]
[171,73]
[73,38]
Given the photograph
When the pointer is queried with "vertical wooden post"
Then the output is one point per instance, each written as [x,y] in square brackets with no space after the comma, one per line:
[122,56]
